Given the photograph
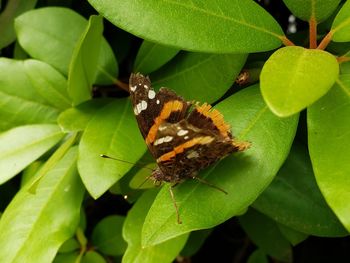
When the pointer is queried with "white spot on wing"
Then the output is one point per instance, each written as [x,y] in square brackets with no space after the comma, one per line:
[168,138]
[182,132]
[162,128]
[143,105]
[157,101]
[140,107]
[133,88]
[192,154]
[145,86]
[186,137]
[151,94]
[163,139]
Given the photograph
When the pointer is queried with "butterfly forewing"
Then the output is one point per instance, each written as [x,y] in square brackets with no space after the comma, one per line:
[149,105]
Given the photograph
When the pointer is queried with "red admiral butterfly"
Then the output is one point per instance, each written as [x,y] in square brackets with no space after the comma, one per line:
[183,137]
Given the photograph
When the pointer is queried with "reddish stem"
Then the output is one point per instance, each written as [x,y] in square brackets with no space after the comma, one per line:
[286,41]
[313,32]
[343,59]
[122,85]
[325,41]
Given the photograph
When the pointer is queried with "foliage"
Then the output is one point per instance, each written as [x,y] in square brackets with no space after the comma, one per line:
[63,104]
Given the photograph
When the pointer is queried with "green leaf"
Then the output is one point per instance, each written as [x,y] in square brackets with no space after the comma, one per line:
[244,175]
[66,258]
[294,200]
[198,76]
[308,9]
[69,245]
[221,27]
[341,24]
[107,236]
[152,56]
[329,146]
[112,131]
[293,236]
[7,17]
[31,92]
[76,119]
[164,252]
[294,77]
[258,256]
[31,171]
[23,145]
[83,66]
[93,257]
[48,83]
[50,25]
[34,226]
[266,235]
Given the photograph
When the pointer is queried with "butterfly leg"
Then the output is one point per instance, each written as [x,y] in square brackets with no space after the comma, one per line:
[201,180]
[174,202]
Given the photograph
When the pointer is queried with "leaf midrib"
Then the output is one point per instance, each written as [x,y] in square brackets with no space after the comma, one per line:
[206,12]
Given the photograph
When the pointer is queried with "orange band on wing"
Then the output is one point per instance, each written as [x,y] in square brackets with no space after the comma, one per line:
[181,148]
[216,117]
[168,108]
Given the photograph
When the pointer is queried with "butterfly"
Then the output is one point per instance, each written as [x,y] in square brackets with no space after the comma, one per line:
[182,136]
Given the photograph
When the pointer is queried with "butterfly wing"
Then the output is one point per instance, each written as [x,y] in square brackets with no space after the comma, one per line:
[152,109]
[182,149]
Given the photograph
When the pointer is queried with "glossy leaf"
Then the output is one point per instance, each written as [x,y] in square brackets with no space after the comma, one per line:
[43,220]
[307,9]
[329,145]
[152,56]
[230,26]
[66,258]
[112,131]
[199,76]
[60,29]
[164,252]
[341,24]
[22,145]
[31,92]
[83,66]
[293,236]
[107,236]
[76,118]
[294,77]
[93,257]
[294,200]
[265,233]
[244,176]
[7,17]
[258,256]
[69,245]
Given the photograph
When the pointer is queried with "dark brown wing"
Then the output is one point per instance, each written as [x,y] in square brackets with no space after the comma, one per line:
[204,117]
[152,109]
[182,149]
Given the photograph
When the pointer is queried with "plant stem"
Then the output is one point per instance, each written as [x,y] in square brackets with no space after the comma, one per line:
[343,59]
[313,32]
[325,41]
[122,85]
[286,41]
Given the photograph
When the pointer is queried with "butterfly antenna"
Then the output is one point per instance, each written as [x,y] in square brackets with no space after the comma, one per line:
[209,184]
[175,205]
[120,160]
